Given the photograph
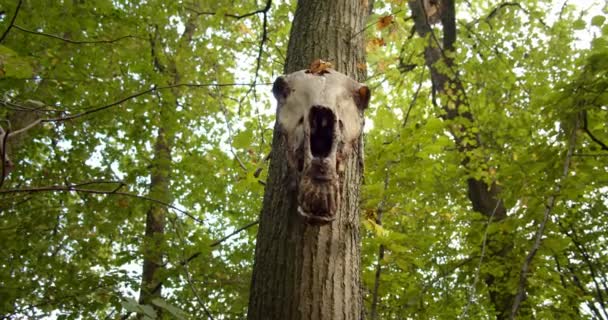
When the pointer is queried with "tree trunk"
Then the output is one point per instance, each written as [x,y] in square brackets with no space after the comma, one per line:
[484,198]
[151,282]
[154,238]
[304,271]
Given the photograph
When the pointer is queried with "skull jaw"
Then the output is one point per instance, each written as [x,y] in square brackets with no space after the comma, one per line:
[313,219]
[319,199]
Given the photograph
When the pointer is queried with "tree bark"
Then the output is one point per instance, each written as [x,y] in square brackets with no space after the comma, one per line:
[151,282]
[304,271]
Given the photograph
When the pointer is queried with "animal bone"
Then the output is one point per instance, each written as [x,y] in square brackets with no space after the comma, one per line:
[321,117]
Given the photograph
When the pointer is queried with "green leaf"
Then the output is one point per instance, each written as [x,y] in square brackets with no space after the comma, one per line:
[598,21]
[579,24]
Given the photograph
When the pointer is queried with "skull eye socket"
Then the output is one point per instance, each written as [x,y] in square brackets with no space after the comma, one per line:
[322,121]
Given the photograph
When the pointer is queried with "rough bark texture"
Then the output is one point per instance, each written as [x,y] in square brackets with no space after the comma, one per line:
[151,282]
[484,198]
[305,271]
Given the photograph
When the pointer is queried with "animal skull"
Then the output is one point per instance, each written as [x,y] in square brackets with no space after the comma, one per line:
[321,116]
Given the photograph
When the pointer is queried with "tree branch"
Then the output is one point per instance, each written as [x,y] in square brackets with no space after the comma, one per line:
[588,132]
[229,15]
[519,297]
[48,35]
[220,241]
[413,102]
[3,158]
[135,95]
[78,188]
[235,232]
[512,4]
[12,24]
[220,100]
[262,42]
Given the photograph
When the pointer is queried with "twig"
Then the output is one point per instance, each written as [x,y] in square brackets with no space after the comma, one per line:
[48,35]
[12,24]
[477,271]
[538,238]
[247,226]
[77,188]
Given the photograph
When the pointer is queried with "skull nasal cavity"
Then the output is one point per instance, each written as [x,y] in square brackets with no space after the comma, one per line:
[321,122]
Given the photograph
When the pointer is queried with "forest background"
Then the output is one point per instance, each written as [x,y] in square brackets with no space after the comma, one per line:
[113,112]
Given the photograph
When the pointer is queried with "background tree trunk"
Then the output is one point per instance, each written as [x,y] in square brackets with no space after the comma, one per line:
[484,197]
[162,165]
[303,271]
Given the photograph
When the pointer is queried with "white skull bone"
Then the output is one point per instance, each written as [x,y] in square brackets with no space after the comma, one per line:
[321,116]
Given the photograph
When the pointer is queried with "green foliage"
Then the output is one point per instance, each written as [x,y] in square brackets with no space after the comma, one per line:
[530,75]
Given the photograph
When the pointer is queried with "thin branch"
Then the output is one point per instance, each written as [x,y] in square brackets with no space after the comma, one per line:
[77,188]
[12,24]
[220,100]
[512,4]
[48,35]
[375,22]
[220,241]
[413,102]
[235,232]
[595,276]
[381,209]
[477,271]
[229,15]
[588,132]
[3,158]
[135,95]
[262,42]
[539,234]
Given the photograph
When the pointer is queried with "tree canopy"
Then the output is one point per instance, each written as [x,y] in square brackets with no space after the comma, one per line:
[117,112]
